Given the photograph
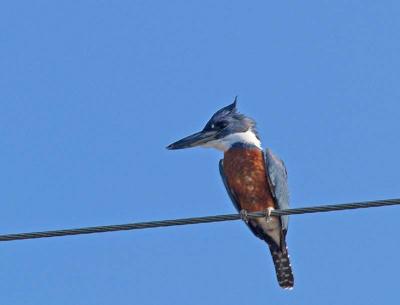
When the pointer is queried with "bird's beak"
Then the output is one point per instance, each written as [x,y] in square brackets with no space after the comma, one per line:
[197,139]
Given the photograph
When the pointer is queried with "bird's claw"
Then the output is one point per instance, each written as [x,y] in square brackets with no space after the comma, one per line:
[268,212]
[244,216]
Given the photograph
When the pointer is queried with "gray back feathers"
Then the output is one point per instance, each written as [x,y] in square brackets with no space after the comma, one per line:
[279,184]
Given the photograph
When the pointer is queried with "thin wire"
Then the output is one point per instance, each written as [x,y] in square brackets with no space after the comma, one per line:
[196,220]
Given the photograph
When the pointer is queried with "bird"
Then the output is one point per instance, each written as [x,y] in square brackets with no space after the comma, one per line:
[256,180]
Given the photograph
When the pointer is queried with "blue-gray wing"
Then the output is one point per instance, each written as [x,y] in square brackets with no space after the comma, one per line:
[277,178]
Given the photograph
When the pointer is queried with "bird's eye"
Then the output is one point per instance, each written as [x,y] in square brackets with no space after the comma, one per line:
[219,125]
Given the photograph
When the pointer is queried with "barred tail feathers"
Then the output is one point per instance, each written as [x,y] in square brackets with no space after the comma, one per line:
[283,268]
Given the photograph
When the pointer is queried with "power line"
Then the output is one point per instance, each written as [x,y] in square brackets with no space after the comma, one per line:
[196,220]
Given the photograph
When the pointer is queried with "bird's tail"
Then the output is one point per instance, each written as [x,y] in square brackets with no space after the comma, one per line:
[283,268]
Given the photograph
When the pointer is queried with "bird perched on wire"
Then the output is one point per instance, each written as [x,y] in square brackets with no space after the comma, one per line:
[255,180]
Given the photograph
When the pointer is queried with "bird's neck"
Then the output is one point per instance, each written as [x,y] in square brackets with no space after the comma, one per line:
[242,139]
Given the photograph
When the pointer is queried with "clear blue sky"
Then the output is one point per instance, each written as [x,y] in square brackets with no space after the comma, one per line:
[91,92]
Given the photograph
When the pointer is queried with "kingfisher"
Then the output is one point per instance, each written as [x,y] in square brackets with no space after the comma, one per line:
[255,180]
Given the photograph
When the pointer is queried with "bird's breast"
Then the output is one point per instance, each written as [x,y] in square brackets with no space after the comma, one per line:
[245,171]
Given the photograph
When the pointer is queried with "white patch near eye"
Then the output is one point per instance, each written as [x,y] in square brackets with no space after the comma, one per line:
[225,143]
[212,125]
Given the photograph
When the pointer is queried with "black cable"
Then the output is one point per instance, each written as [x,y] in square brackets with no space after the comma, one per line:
[196,220]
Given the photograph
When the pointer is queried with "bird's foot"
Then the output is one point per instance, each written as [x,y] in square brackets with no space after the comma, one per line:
[244,216]
[268,212]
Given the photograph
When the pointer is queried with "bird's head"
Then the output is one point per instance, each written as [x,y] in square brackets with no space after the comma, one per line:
[225,128]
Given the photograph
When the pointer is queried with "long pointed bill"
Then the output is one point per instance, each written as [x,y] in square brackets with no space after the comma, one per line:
[197,139]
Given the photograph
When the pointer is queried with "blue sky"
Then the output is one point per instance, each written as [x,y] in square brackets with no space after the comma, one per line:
[91,92]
